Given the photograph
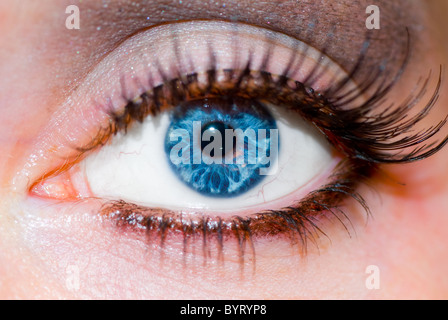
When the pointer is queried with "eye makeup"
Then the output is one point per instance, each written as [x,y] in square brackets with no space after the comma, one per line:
[288,74]
[309,21]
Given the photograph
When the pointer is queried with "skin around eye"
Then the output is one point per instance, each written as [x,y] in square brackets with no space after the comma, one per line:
[303,82]
[48,245]
[273,209]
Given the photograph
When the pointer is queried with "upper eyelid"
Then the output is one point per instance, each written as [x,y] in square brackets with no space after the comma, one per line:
[126,64]
[121,20]
[387,81]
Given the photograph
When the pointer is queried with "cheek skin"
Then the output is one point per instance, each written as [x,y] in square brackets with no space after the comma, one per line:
[411,248]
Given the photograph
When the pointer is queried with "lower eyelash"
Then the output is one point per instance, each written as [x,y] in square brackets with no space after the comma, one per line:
[366,140]
[299,222]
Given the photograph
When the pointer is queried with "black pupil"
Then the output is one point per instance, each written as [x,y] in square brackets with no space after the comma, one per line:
[214,127]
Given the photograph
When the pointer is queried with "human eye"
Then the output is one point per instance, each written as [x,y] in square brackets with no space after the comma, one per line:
[223,138]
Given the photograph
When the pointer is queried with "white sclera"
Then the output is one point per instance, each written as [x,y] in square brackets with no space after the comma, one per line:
[135,168]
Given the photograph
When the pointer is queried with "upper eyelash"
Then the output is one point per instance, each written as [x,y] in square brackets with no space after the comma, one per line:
[367,140]
[353,130]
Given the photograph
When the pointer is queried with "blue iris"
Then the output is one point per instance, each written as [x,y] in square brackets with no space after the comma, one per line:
[219,147]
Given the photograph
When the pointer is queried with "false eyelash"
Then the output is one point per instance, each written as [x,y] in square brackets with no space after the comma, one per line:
[354,129]
[366,138]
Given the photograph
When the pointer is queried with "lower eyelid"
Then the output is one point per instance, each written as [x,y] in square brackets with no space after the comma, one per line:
[292,221]
[159,225]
